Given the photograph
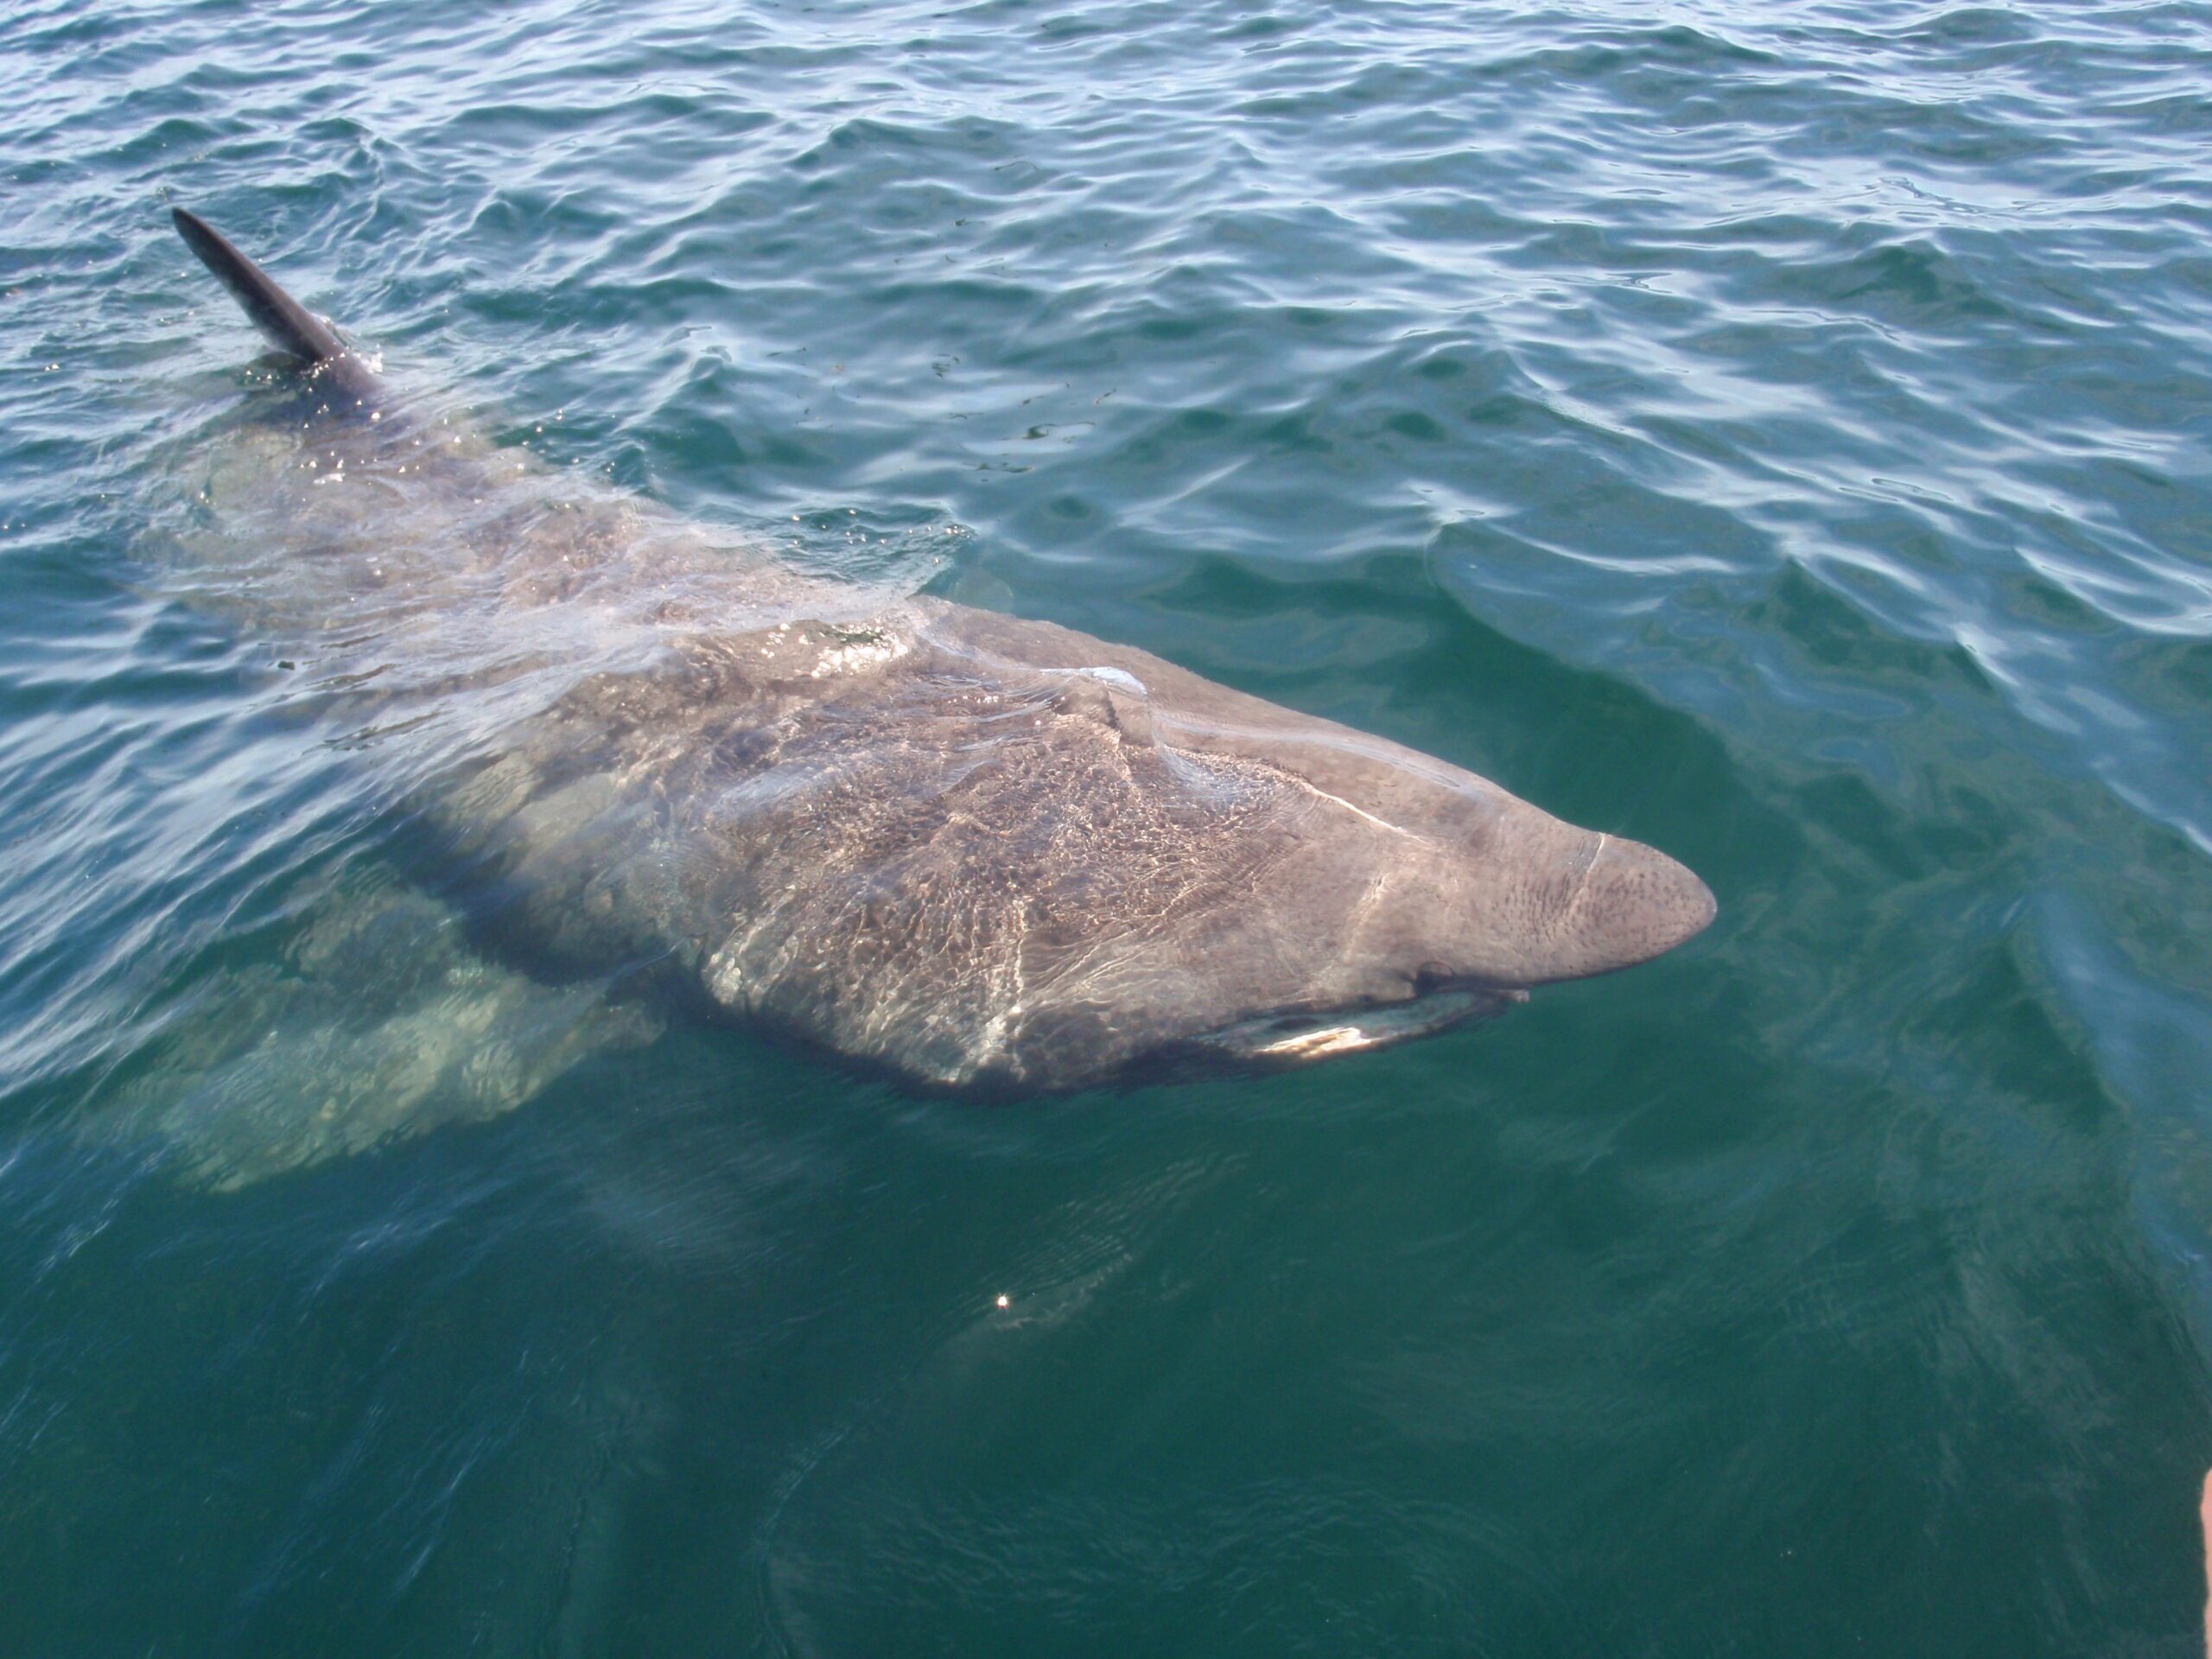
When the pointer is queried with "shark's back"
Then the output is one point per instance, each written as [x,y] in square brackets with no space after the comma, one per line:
[972,849]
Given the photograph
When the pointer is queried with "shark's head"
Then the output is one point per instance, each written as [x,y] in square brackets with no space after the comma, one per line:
[1415,896]
[1210,879]
[1455,922]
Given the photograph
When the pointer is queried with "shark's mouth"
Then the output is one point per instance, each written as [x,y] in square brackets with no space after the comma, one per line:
[1298,1038]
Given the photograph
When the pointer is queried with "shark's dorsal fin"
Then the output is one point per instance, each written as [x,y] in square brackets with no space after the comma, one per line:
[289,325]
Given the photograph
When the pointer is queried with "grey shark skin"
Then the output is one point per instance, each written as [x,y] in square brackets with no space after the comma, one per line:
[980,852]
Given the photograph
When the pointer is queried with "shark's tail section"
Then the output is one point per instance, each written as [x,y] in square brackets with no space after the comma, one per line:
[289,325]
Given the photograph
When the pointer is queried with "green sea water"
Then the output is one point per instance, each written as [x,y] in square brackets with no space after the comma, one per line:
[1778,434]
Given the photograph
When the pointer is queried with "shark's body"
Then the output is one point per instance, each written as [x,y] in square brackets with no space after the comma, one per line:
[975,850]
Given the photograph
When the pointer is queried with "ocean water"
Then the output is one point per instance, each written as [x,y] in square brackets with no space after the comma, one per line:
[1777,434]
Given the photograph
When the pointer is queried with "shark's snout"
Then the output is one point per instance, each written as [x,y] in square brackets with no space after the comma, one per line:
[1523,899]
[1633,903]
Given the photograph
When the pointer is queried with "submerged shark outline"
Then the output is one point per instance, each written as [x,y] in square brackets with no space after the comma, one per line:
[986,853]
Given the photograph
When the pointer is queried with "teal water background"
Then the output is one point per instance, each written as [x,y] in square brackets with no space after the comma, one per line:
[1778,434]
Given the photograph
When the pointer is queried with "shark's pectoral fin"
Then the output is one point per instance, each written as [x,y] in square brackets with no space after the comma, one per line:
[378,1023]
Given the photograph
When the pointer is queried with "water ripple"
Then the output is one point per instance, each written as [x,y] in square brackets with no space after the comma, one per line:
[1777,437]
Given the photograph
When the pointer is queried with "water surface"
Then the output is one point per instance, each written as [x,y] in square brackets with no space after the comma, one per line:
[1777,437]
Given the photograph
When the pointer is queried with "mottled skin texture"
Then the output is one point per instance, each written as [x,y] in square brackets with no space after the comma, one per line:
[947,841]
[975,850]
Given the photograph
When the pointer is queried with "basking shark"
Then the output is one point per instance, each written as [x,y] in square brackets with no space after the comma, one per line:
[975,851]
